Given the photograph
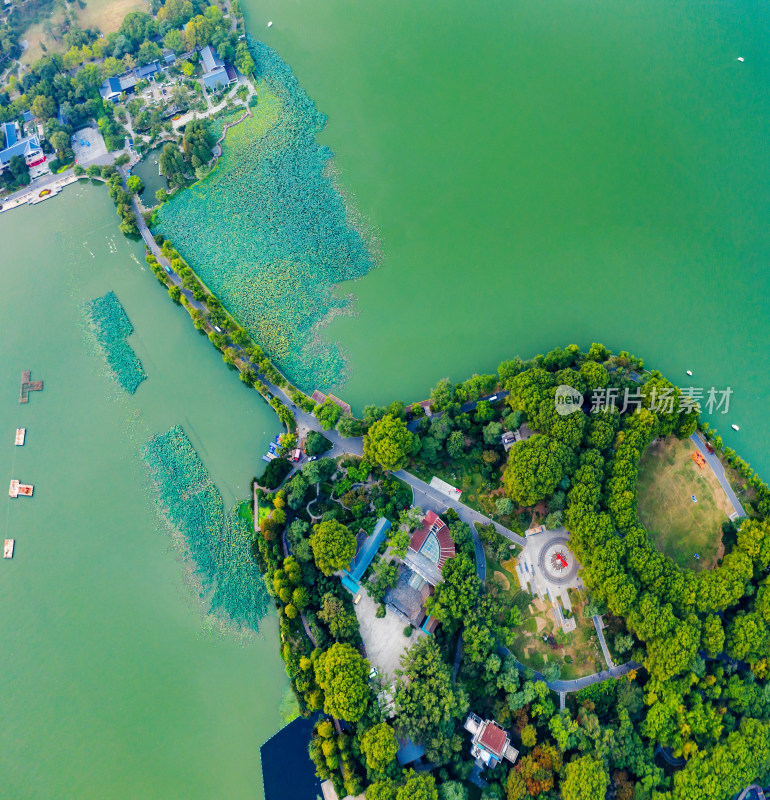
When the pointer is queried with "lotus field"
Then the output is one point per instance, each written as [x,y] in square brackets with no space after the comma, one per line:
[268,231]
[111,327]
[220,546]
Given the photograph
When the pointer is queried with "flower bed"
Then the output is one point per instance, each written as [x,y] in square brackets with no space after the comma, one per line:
[220,545]
[271,235]
[111,326]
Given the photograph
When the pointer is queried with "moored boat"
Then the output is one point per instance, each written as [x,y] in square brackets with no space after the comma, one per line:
[23,489]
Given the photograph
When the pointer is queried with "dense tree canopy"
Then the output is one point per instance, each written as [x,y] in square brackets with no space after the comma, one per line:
[535,468]
[333,546]
[388,443]
[342,673]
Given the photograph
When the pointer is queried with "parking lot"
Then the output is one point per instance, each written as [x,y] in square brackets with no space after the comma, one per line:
[89,147]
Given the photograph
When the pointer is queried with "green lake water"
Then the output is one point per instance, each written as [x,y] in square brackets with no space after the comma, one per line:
[147,170]
[537,174]
[547,173]
[116,683]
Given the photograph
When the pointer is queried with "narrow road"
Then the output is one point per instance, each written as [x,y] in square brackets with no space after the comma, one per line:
[432,497]
[716,465]
[464,408]
[598,624]
[156,251]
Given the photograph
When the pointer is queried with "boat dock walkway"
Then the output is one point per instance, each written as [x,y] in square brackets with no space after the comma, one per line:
[28,386]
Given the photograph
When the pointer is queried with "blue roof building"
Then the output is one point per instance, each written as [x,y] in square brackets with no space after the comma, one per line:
[367,550]
[27,116]
[216,73]
[28,148]
[110,89]
[148,70]
[10,134]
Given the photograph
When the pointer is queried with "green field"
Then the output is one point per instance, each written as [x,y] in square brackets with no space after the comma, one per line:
[106,15]
[668,478]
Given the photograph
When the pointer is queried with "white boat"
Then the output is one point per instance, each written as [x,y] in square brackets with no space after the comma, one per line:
[689,372]
[270,25]
[740,58]
[8,548]
[20,435]
[735,427]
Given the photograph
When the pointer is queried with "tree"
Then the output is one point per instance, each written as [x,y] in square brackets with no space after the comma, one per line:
[457,593]
[452,790]
[342,674]
[333,545]
[381,790]
[492,433]
[586,779]
[504,506]
[379,745]
[418,786]
[316,444]
[60,142]
[134,184]
[516,787]
[174,40]
[328,413]
[43,107]
[484,412]
[341,622]
[388,443]
[455,444]
[426,699]
[535,468]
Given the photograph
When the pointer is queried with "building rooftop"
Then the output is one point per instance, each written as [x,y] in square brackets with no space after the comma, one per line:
[490,742]
[367,550]
[211,59]
[493,738]
[433,540]
[425,567]
[9,132]
[23,147]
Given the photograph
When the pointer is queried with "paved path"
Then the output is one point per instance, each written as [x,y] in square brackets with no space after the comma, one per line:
[666,755]
[432,497]
[464,408]
[716,465]
[156,251]
[599,624]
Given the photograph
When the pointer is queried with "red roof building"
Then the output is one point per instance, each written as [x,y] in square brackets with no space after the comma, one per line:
[433,540]
[490,744]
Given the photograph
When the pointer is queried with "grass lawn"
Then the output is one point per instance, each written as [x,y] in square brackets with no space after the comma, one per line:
[106,15]
[576,652]
[668,478]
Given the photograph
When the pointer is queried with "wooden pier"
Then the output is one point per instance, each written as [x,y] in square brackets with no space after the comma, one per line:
[28,386]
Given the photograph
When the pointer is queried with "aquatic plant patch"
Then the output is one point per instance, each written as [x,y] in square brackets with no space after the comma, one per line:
[220,544]
[112,327]
[269,233]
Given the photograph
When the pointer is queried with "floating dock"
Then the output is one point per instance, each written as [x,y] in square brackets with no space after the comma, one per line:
[28,386]
[23,489]
[8,548]
[21,433]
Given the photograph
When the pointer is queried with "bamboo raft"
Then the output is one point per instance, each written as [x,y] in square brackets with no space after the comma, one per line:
[28,386]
